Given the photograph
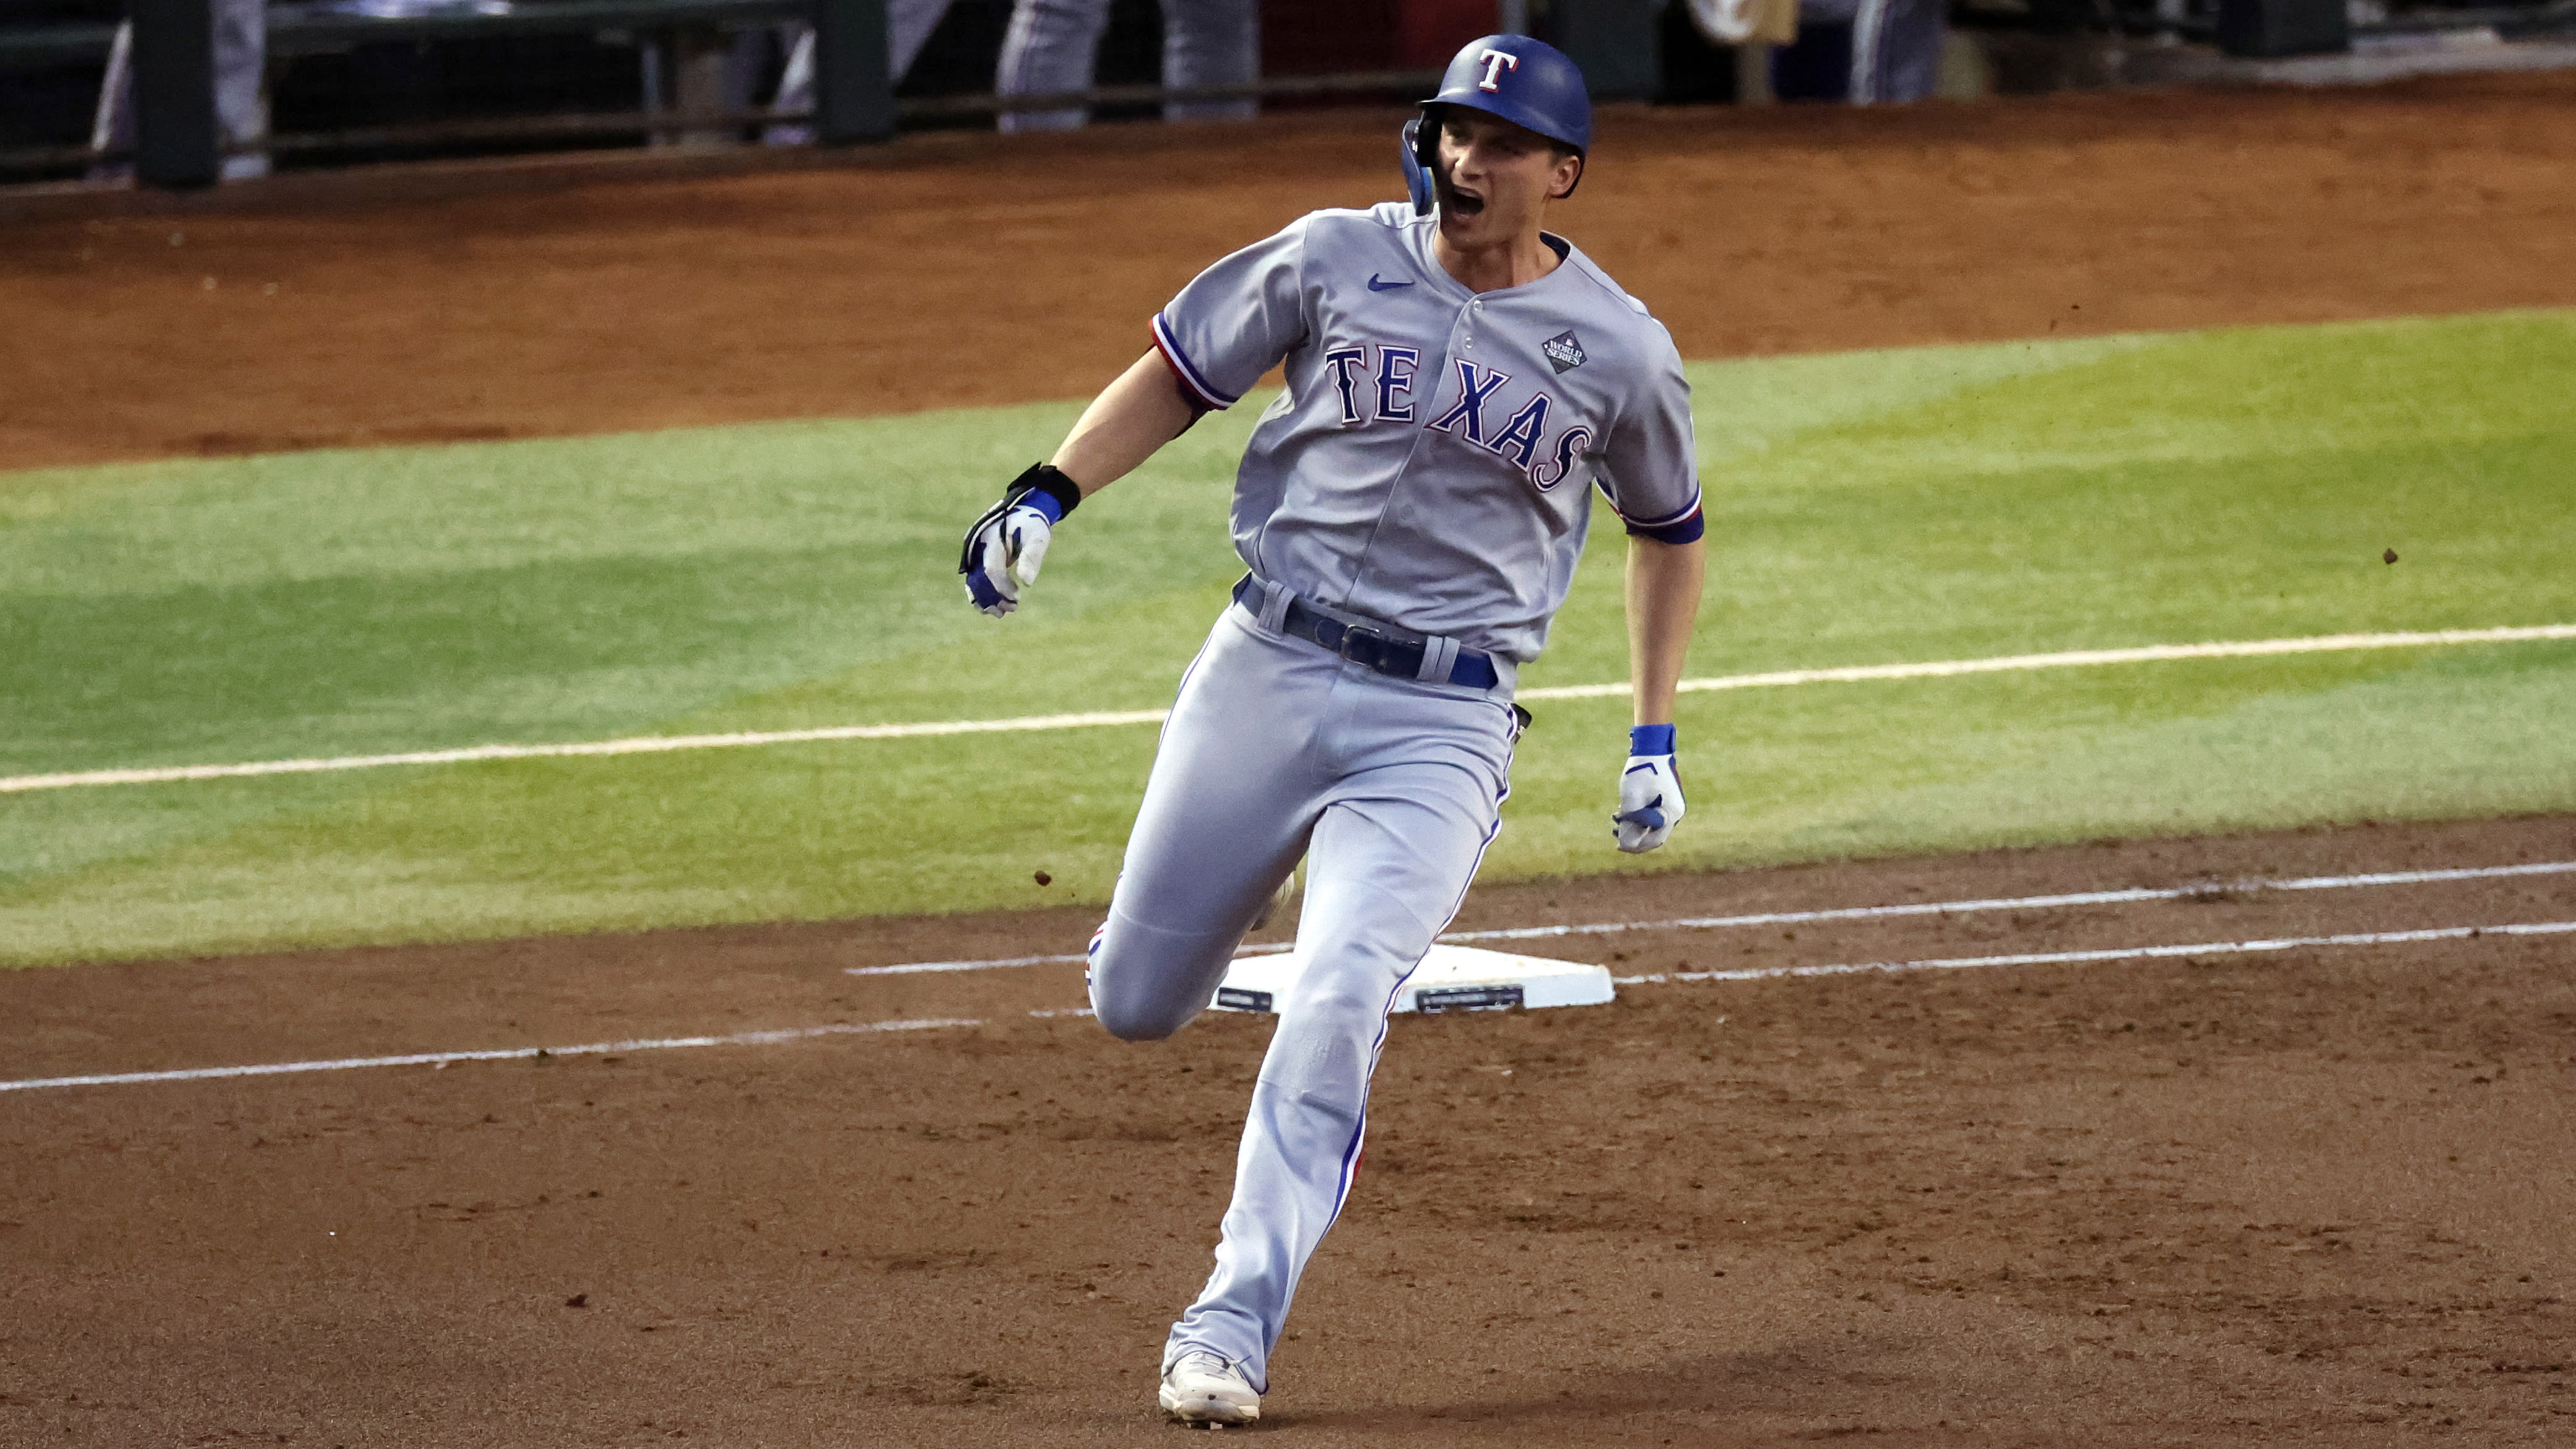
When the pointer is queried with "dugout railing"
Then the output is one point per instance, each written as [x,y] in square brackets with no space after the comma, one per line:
[178,145]
[2236,25]
[178,142]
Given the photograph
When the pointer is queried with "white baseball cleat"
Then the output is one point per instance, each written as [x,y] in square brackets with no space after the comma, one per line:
[1201,1388]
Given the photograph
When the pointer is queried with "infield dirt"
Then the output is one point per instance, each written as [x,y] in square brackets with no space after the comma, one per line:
[2316,1196]
[2319,1196]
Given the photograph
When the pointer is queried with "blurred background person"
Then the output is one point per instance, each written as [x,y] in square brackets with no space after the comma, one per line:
[1867,52]
[1052,47]
[241,99]
[908,27]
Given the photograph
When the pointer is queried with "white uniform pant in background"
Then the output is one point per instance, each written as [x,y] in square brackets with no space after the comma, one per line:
[1391,789]
[1053,45]
[908,27]
[241,103]
[1895,46]
[1896,50]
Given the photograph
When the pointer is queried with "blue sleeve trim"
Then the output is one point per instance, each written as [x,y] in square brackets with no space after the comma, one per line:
[1676,516]
[1650,740]
[1689,530]
[1686,516]
[1189,373]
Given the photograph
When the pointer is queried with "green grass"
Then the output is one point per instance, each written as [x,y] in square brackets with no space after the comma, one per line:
[1865,508]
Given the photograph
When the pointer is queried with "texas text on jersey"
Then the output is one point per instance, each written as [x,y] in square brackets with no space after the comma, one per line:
[1370,484]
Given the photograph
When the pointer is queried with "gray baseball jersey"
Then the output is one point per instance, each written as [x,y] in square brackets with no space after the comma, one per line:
[1428,462]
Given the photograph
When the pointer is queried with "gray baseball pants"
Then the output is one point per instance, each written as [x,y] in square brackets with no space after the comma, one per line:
[1391,789]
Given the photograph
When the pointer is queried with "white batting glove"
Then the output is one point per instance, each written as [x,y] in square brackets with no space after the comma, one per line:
[1007,546]
[1650,791]
[1004,556]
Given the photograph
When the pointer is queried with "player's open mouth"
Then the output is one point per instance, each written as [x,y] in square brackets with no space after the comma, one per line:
[1463,201]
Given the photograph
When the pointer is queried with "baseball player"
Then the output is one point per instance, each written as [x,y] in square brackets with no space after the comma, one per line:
[1411,509]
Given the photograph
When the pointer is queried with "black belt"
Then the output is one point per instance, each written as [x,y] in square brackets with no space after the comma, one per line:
[1381,647]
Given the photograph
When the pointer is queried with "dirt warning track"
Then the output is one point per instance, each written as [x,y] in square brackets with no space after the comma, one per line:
[2312,1196]
[959,270]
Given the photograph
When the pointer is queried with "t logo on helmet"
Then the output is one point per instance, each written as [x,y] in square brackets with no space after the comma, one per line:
[1495,63]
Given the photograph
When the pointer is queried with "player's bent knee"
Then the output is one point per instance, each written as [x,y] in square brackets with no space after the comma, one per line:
[1147,984]
[1140,1021]
[1137,1007]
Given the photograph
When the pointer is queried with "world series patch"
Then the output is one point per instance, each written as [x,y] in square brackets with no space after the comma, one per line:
[1563,352]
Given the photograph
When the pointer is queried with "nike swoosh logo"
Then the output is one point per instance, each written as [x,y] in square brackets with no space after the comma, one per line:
[1377,286]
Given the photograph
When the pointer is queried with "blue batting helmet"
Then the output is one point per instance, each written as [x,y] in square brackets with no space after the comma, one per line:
[1529,83]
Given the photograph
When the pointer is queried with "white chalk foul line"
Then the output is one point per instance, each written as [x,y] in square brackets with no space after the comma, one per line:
[503,1054]
[2083,658]
[641,745]
[2128,953]
[774,1038]
[1858,913]
[661,744]
[2200,891]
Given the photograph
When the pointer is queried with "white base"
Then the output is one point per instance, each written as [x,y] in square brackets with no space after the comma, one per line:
[1450,978]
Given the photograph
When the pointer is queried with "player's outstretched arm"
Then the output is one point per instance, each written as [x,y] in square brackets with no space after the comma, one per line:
[1133,416]
[1663,605]
[1140,412]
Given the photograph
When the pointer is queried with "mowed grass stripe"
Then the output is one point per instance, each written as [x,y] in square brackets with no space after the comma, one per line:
[1027,724]
[1950,504]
